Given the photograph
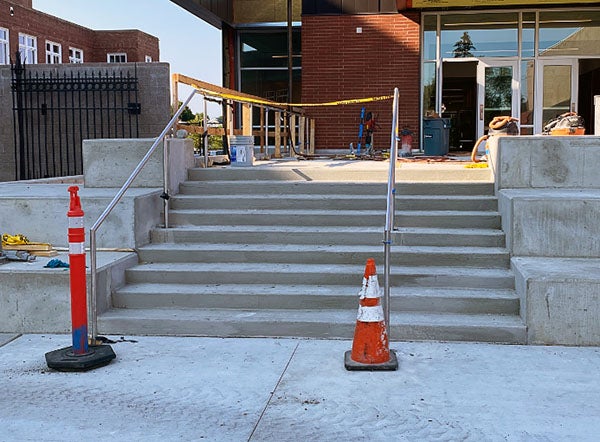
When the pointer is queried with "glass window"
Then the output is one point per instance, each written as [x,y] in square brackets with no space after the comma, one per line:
[567,33]
[75,55]
[479,35]
[556,94]
[148,59]
[28,48]
[268,49]
[429,88]
[116,58]
[498,92]
[4,48]
[429,37]
[53,53]
[528,35]
[527,91]
[271,84]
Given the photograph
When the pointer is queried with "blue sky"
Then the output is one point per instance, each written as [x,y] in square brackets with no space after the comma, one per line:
[191,46]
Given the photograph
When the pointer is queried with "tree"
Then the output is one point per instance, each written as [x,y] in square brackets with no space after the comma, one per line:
[186,115]
[464,46]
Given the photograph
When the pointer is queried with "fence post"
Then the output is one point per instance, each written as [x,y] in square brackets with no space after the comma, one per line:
[277,153]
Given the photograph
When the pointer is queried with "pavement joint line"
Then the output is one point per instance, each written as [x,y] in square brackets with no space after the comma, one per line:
[14,338]
[303,175]
[273,391]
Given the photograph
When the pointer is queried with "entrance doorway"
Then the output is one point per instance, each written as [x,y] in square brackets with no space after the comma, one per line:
[473,93]
[459,100]
[589,86]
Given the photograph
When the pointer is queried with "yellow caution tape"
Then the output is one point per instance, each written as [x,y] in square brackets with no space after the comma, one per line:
[276,104]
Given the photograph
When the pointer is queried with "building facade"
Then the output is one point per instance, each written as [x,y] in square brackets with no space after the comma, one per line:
[466,60]
[42,38]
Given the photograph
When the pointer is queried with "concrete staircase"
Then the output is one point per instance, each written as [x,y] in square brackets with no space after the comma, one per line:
[264,254]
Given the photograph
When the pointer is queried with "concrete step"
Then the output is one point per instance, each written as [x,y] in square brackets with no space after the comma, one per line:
[333,202]
[307,323]
[254,187]
[448,219]
[481,257]
[451,237]
[278,297]
[412,218]
[316,274]
[341,235]
[274,201]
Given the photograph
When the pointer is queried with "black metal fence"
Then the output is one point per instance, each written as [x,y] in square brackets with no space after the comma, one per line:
[54,113]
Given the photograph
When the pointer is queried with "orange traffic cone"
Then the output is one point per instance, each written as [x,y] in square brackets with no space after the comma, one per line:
[370,348]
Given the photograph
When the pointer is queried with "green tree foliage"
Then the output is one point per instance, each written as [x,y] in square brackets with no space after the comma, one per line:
[464,46]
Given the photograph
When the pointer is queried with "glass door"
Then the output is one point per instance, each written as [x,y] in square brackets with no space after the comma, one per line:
[497,83]
[556,90]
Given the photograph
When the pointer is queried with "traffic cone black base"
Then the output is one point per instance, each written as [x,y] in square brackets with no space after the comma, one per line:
[65,359]
[352,365]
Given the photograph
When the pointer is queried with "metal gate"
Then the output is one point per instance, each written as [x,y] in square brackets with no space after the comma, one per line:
[54,113]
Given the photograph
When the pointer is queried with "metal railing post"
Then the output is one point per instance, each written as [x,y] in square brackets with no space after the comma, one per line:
[165,195]
[205,131]
[390,211]
[111,206]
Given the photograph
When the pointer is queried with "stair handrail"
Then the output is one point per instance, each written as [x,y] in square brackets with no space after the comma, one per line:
[93,311]
[390,210]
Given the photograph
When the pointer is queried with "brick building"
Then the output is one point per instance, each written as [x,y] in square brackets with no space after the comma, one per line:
[43,38]
[466,60]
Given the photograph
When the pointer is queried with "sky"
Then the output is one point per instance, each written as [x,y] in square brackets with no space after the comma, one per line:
[191,46]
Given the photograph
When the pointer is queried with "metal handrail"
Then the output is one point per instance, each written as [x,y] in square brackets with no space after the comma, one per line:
[111,206]
[390,210]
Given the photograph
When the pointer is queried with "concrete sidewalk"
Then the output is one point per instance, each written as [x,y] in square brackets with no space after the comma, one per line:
[189,389]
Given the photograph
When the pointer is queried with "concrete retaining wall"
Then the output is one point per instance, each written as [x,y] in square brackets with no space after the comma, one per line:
[109,163]
[549,198]
[560,299]
[34,299]
[39,211]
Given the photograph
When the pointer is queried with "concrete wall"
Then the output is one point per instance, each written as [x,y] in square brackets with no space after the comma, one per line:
[549,198]
[153,96]
[109,163]
[38,300]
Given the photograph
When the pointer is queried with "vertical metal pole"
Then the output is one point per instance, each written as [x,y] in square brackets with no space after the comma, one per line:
[205,134]
[290,50]
[93,332]
[597,115]
[389,215]
[166,193]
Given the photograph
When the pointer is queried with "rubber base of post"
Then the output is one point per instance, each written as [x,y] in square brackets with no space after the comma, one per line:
[65,360]
[391,365]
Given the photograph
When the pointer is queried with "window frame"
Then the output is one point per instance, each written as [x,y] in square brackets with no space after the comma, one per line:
[73,58]
[114,55]
[51,56]
[5,44]
[25,49]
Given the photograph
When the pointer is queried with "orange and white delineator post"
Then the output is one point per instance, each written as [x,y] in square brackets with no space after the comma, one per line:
[370,348]
[80,356]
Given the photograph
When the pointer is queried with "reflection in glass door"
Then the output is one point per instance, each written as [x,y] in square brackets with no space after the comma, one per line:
[557,86]
[498,92]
